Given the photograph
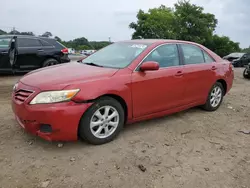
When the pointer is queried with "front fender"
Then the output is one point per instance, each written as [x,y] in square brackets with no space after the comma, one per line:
[119,86]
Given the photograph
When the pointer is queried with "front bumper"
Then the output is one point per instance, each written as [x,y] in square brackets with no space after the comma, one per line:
[63,118]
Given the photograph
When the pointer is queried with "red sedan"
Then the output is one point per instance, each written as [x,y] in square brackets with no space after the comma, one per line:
[122,83]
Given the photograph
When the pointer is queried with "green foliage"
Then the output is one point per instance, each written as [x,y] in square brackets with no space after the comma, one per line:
[82,47]
[98,45]
[246,50]
[185,21]
[156,23]
[223,46]
[83,44]
[192,24]
[2,32]
[58,39]
[79,43]
[47,34]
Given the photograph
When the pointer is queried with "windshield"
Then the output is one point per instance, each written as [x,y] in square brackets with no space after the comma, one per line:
[116,55]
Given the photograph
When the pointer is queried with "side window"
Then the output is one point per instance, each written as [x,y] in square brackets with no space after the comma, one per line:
[44,43]
[192,54]
[4,42]
[208,58]
[166,55]
[27,42]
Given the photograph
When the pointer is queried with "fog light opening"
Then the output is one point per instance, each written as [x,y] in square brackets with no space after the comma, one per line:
[45,128]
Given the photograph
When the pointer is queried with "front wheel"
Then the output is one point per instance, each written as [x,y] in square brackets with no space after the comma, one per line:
[246,74]
[102,122]
[215,97]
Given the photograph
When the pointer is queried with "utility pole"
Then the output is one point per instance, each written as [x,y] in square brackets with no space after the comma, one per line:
[14,30]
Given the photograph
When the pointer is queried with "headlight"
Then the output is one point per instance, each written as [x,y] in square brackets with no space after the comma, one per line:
[54,96]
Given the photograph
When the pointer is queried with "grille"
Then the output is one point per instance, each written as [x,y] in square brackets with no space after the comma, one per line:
[21,95]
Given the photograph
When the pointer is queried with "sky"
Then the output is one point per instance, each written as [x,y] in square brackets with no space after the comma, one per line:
[101,19]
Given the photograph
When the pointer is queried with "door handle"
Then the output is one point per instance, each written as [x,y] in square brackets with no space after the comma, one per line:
[179,73]
[213,68]
[40,50]
[4,52]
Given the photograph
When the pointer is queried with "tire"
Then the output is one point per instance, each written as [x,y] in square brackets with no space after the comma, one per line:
[217,92]
[245,74]
[50,62]
[102,132]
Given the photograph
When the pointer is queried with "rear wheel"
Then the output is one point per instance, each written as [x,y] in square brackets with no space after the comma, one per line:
[50,62]
[246,74]
[215,97]
[102,122]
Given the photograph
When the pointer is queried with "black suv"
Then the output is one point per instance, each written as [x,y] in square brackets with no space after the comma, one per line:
[238,59]
[19,53]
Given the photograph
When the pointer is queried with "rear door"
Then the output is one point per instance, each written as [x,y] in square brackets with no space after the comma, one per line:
[4,56]
[30,53]
[200,73]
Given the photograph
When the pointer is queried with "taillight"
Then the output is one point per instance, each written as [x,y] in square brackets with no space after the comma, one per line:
[231,66]
[65,51]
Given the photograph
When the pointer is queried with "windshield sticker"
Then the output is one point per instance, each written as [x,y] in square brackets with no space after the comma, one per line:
[141,46]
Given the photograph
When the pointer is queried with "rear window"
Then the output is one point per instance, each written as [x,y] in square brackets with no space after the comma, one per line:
[28,42]
[4,42]
[44,43]
[55,43]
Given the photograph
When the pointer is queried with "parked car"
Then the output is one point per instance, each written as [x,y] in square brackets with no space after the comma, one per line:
[238,59]
[87,52]
[20,53]
[246,72]
[125,82]
[71,51]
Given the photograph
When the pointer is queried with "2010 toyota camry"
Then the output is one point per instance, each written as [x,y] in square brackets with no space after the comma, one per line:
[122,83]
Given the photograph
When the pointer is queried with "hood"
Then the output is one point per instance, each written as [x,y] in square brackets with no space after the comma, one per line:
[60,76]
[234,56]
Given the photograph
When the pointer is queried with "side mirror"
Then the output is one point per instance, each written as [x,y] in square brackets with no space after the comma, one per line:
[149,66]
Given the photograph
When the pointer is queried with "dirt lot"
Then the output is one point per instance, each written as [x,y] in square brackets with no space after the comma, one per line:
[193,149]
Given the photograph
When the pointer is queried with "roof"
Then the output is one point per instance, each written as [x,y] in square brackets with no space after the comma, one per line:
[159,41]
[24,36]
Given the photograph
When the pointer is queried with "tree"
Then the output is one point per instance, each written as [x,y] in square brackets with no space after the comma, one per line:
[156,23]
[2,32]
[58,39]
[14,32]
[246,50]
[185,21]
[99,44]
[82,47]
[47,34]
[223,46]
[192,24]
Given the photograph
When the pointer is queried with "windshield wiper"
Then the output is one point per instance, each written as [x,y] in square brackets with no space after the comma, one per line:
[93,64]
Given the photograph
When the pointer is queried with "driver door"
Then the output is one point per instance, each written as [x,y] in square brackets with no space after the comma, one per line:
[4,54]
[160,90]
[13,52]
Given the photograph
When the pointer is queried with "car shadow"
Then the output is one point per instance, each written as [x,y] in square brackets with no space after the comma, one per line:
[128,129]
[11,74]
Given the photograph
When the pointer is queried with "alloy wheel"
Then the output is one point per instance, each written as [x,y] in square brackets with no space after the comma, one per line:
[104,122]
[216,96]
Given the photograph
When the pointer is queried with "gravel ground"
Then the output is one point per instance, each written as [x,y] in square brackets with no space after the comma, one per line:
[192,149]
